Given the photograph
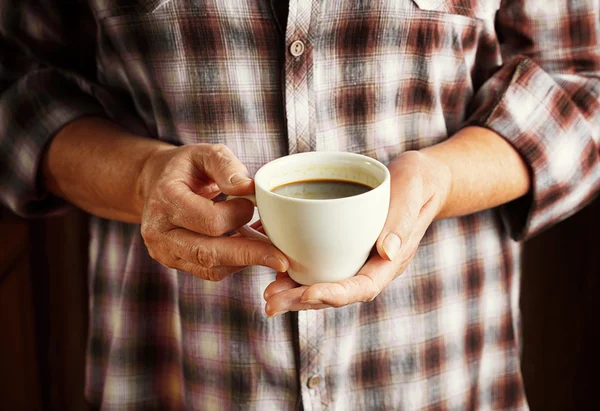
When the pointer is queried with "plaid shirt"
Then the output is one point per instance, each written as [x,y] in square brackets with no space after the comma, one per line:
[374,77]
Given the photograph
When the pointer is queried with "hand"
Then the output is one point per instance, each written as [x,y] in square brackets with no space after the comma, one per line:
[181,225]
[419,187]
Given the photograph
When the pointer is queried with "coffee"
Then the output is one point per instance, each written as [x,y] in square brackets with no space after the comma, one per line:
[321,189]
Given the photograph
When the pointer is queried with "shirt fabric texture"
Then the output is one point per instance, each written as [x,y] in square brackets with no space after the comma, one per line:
[376,78]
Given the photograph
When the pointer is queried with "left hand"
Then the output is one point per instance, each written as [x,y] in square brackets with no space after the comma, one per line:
[420,185]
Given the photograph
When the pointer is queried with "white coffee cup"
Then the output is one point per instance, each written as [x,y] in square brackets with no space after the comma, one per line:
[324,240]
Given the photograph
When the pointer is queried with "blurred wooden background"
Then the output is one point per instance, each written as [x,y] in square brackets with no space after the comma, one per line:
[43,313]
[43,308]
[560,304]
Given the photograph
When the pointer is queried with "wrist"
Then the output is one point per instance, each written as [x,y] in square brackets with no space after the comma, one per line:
[149,172]
[438,179]
[484,171]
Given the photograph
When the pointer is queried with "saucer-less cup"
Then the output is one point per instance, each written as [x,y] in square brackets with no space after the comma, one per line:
[324,240]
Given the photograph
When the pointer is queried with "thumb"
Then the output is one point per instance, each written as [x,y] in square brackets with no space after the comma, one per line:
[219,163]
[402,217]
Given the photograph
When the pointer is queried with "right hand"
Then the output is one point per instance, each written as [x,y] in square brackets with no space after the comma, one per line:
[181,225]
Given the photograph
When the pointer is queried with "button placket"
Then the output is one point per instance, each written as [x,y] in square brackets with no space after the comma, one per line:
[298,74]
[311,337]
[299,112]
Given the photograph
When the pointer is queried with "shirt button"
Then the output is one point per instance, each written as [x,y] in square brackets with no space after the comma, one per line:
[297,48]
[314,381]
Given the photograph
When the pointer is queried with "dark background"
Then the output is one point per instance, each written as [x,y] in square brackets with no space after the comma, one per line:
[43,313]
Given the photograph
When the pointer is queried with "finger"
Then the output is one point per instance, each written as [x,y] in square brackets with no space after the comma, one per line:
[258,226]
[365,286]
[210,274]
[207,190]
[281,275]
[253,234]
[222,166]
[360,288]
[282,283]
[373,277]
[405,205]
[289,300]
[212,195]
[212,252]
[196,213]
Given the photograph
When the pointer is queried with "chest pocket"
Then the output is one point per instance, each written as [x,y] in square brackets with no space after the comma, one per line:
[476,9]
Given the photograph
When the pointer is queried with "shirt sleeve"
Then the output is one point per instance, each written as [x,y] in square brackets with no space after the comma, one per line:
[47,69]
[544,100]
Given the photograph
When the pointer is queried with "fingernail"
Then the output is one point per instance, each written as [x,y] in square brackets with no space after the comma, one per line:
[391,245]
[268,308]
[279,313]
[239,179]
[275,263]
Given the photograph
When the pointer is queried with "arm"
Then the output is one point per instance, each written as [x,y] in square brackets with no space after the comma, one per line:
[109,172]
[474,170]
[485,171]
[94,164]
[534,129]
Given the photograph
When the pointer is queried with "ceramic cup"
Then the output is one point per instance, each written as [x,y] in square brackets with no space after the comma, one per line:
[324,240]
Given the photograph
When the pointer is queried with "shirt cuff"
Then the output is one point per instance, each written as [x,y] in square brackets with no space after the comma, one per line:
[525,105]
[32,111]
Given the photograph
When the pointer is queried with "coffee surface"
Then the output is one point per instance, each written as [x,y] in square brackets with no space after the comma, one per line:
[321,189]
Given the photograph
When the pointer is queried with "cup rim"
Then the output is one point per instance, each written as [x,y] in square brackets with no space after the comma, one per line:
[340,154]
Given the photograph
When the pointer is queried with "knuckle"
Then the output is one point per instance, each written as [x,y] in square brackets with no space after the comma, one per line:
[146,233]
[220,149]
[168,191]
[247,257]
[204,256]
[157,255]
[371,295]
[340,296]
[216,227]
[412,155]
[212,225]
[212,275]
[373,291]
[195,270]
[222,157]
[406,216]
[220,153]
[153,253]
[149,234]
[336,299]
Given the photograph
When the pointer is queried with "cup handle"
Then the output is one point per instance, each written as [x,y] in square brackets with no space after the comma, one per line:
[246,230]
